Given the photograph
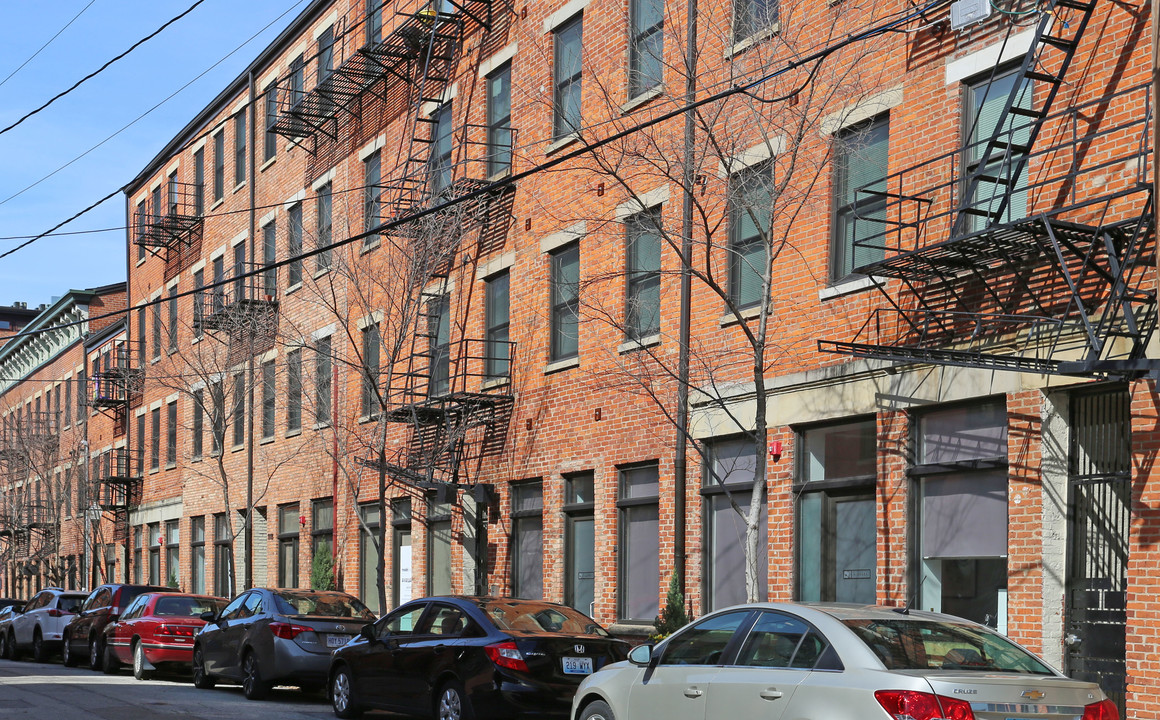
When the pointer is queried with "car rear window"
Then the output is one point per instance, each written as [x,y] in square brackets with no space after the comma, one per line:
[906,644]
[186,606]
[540,618]
[71,603]
[321,605]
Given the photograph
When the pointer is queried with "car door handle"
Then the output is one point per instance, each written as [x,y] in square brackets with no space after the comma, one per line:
[693,692]
[771,694]
[439,649]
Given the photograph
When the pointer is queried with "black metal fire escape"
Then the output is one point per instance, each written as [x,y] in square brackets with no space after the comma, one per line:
[171,226]
[1033,257]
[119,381]
[117,478]
[28,441]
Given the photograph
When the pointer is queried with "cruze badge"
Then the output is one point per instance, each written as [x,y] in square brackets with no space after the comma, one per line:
[578,648]
[1032,694]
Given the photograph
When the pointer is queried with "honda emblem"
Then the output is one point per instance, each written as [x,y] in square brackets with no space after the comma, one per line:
[579,649]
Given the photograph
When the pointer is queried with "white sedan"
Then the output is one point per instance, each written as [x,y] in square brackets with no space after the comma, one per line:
[778,661]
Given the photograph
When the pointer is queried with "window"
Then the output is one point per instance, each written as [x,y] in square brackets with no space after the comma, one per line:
[172,319]
[269,399]
[729,481]
[296,82]
[438,548]
[527,546]
[218,419]
[155,439]
[294,390]
[239,409]
[646,45]
[154,539]
[499,121]
[369,556]
[240,147]
[642,293]
[172,553]
[219,166]
[374,22]
[223,566]
[984,104]
[322,259]
[197,555]
[704,642]
[322,380]
[270,146]
[439,332]
[142,229]
[198,430]
[442,148]
[198,300]
[750,214]
[837,536]
[639,546]
[322,529]
[288,546]
[566,78]
[325,66]
[565,341]
[401,556]
[171,434]
[861,157]
[137,554]
[158,329]
[962,483]
[199,181]
[158,209]
[751,17]
[294,245]
[171,194]
[269,257]
[68,402]
[497,298]
[142,332]
[370,379]
[580,542]
[141,434]
[373,195]
[239,271]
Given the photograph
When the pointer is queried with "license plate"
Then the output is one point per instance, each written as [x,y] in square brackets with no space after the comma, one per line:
[577,666]
[336,640]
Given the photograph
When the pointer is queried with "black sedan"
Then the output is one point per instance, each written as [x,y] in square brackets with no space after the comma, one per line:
[457,658]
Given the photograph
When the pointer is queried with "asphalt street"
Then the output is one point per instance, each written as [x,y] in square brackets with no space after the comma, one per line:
[54,692]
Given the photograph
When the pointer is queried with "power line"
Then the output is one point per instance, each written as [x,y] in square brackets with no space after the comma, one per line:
[102,68]
[42,47]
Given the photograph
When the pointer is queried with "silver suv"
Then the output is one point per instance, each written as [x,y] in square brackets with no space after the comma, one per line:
[39,625]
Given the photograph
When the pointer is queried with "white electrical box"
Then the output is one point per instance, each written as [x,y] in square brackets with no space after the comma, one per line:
[967,12]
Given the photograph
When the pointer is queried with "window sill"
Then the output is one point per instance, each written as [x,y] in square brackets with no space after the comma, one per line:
[267,164]
[171,466]
[320,426]
[565,364]
[238,448]
[849,286]
[642,99]
[494,383]
[154,471]
[216,203]
[561,143]
[239,186]
[294,433]
[196,458]
[742,45]
[320,272]
[505,173]
[292,288]
[372,245]
[730,318]
[141,260]
[364,419]
[640,344]
[195,339]
[154,360]
[266,440]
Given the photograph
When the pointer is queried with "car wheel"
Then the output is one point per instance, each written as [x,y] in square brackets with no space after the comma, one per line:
[66,655]
[111,664]
[342,695]
[139,662]
[597,710]
[253,686]
[201,679]
[4,645]
[39,651]
[10,651]
[96,654]
[453,704]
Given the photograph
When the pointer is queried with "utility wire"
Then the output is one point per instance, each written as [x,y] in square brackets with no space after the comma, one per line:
[42,47]
[102,68]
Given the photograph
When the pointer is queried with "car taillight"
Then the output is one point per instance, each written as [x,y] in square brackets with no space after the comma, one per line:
[55,613]
[913,705]
[288,631]
[176,630]
[507,655]
[1103,710]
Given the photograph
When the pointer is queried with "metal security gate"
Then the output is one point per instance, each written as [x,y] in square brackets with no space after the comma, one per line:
[1099,459]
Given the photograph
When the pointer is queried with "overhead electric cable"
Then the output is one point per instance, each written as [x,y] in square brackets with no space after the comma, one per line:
[46,44]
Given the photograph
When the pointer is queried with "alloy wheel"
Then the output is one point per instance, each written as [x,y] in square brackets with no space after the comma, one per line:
[66,655]
[201,679]
[450,705]
[95,655]
[139,670]
[38,651]
[253,686]
[341,692]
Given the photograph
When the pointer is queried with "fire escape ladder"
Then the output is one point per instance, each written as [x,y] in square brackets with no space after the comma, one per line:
[1004,155]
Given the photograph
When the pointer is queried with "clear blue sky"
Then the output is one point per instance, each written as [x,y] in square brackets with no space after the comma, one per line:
[96,110]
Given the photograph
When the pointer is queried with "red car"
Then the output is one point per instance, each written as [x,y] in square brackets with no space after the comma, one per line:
[157,629]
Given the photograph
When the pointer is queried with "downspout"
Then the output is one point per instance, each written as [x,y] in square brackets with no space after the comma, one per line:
[140,359]
[253,180]
[680,459]
[1155,129]
[338,574]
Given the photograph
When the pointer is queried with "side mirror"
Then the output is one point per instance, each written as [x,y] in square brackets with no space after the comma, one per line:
[641,655]
[209,616]
[367,632]
[114,617]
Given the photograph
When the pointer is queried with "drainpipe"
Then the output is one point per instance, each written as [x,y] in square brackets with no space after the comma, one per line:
[253,180]
[129,339]
[680,459]
[1155,128]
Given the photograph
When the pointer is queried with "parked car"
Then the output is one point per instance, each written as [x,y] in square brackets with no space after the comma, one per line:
[6,614]
[157,630]
[83,636]
[267,636]
[457,658]
[835,662]
[38,626]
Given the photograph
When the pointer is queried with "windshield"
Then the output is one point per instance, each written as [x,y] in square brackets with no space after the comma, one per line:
[540,618]
[186,606]
[321,604]
[905,644]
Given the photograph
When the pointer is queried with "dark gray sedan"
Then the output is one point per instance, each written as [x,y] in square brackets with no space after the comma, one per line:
[268,637]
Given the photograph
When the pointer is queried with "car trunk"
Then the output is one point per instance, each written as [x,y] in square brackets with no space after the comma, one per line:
[1011,696]
[328,633]
[567,659]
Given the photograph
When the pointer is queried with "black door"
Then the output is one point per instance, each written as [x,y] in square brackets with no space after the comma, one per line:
[1099,516]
